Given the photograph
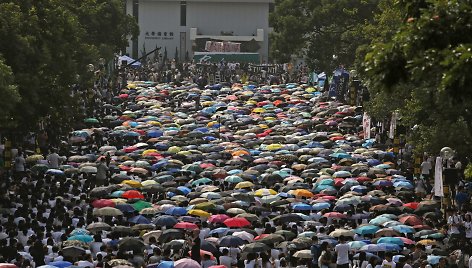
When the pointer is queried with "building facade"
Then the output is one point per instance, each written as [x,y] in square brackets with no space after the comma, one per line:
[182,27]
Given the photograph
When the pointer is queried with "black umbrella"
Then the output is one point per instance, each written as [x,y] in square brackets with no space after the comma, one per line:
[131,243]
[272,239]
[171,234]
[288,218]
[231,241]
[255,248]
[287,234]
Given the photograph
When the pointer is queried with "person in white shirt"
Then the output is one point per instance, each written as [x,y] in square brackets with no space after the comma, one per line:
[225,259]
[388,262]
[342,251]
[53,159]
[454,221]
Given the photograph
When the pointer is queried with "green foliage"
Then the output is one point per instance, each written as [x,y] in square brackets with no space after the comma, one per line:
[319,29]
[46,47]
[468,172]
[428,62]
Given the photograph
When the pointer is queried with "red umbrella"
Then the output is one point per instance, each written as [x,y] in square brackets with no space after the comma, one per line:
[261,236]
[363,179]
[237,222]
[101,203]
[206,165]
[204,252]
[130,149]
[336,215]
[123,96]
[132,194]
[8,265]
[186,225]
[410,220]
[422,227]
[412,205]
[125,168]
[407,241]
[218,218]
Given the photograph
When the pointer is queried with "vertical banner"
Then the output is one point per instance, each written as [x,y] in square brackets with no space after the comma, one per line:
[366,126]
[438,181]
[393,125]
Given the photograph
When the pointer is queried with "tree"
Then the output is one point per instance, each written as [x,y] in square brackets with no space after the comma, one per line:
[428,61]
[48,45]
[9,93]
[319,29]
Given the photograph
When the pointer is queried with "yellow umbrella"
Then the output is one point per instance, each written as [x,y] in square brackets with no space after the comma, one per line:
[427,242]
[244,184]
[184,153]
[274,146]
[149,151]
[252,102]
[154,123]
[199,213]
[174,149]
[263,126]
[264,192]
[212,123]
[132,183]
[258,110]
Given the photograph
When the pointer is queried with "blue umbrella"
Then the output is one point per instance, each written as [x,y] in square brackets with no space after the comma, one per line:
[155,133]
[231,241]
[176,211]
[117,194]
[82,238]
[367,229]
[373,162]
[125,208]
[161,146]
[165,220]
[403,184]
[160,164]
[139,219]
[61,264]
[405,229]
[340,155]
[389,247]
[55,172]
[321,206]
[184,190]
[432,259]
[356,244]
[302,206]
[219,231]
[390,240]
[79,231]
[166,264]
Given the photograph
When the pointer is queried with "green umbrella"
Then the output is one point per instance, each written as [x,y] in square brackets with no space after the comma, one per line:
[39,168]
[205,206]
[200,181]
[91,120]
[140,205]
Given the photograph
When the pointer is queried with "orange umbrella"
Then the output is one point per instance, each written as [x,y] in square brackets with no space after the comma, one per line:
[303,193]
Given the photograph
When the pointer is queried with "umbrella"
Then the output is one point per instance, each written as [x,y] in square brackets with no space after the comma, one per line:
[82,238]
[60,264]
[255,248]
[131,243]
[303,254]
[73,251]
[237,222]
[186,225]
[366,229]
[342,232]
[98,226]
[186,263]
[231,241]
[165,220]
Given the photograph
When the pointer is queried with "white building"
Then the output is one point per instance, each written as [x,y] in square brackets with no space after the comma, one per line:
[183,26]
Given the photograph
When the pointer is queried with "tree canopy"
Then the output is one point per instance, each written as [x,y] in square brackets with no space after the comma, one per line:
[428,63]
[319,29]
[46,46]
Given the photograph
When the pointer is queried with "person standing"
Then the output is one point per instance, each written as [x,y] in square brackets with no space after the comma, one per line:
[342,252]
[102,172]
[315,251]
[53,159]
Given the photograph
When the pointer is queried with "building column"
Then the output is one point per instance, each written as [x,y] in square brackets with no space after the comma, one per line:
[135,45]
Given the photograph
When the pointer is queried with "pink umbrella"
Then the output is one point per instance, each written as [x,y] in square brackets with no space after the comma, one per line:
[186,225]
[186,263]
[218,218]
[407,241]
[101,203]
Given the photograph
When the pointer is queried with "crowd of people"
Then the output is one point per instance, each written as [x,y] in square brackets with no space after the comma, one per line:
[177,173]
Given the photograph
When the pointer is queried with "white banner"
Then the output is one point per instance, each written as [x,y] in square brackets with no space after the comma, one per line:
[366,125]
[438,181]
[393,125]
